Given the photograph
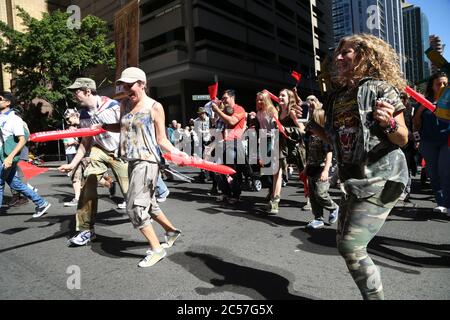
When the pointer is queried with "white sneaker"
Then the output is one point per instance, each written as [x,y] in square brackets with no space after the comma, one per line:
[316,224]
[221,198]
[122,205]
[333,216]
[82,238]
[40,211]
[152,258]
[170,237]
[440,209]
[71,203]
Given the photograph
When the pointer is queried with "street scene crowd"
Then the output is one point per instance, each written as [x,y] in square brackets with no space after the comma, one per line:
[366,138]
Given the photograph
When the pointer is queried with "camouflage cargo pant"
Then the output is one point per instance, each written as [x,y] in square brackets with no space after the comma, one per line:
[319,196]
[359,221]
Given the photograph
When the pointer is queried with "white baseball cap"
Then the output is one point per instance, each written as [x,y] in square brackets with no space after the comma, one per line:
[131,75]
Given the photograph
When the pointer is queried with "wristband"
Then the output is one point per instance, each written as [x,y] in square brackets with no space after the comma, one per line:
[392,127]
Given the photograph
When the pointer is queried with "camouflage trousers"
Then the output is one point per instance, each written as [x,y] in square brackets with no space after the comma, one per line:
[319,197]
[100,161]
[359,221]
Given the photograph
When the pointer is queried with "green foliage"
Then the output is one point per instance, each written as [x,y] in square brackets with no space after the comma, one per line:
[48,56]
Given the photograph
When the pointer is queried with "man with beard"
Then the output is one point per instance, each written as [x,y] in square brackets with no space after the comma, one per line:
[103,154]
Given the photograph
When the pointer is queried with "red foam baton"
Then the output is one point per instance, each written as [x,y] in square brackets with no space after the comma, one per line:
[62,134]
[198,163]
[420,99]
[29,170]
[272,96]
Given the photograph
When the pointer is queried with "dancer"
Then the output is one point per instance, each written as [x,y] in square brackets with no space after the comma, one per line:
[365,124]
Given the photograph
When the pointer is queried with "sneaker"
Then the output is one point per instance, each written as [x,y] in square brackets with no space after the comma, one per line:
[152,258]
[163,197]
[82,238]
[170,237]
[122,205]
[333,215]
[221,198]
[440,209]
[316,224]
[307,206]
[40,211]
[71,203]
[272,207]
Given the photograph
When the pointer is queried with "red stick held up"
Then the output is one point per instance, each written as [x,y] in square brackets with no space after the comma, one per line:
[420,99]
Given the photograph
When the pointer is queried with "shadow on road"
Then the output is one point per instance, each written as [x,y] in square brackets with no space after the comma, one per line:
[254,282]
[323,241]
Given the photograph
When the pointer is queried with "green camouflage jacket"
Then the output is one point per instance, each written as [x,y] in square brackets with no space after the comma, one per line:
[377,164]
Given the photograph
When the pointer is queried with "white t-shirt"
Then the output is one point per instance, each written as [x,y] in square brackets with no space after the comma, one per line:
[72,149]
[108,111]
[10,124]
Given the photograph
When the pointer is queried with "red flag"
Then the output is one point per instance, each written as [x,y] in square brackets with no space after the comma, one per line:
[213,89]
[296,75]
[29,170]
[272,96]
[420,99]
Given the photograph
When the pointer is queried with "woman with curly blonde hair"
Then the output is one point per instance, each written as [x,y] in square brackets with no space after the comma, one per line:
[365,124]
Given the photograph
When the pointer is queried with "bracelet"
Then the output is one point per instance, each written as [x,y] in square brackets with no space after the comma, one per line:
[392,127]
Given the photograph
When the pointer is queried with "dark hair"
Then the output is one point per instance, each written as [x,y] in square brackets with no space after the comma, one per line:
[231,93]
[10,97]
[429,93]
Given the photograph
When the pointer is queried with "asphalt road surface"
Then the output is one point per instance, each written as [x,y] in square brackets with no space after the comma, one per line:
[224,253]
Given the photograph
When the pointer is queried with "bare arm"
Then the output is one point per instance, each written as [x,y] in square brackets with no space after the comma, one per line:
[86,143]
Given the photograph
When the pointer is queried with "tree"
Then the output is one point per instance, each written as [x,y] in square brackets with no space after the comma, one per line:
[49,55]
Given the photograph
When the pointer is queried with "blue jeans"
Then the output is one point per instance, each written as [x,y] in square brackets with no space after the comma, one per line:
[437,158]
[161,190]
[234,190]
[9,176]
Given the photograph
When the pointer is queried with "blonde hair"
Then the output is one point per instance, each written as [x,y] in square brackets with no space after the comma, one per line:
[319,117]
[267,102]
[374,58]
[291,97]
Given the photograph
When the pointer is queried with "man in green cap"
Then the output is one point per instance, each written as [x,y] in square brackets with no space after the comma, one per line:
[103,154]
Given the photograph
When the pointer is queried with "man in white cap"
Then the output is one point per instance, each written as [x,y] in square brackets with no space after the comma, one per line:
[103,150]
[143,131]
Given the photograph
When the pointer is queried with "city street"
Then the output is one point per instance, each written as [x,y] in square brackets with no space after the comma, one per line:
[224,253]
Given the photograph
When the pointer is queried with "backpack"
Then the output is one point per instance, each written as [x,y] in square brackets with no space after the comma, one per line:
[10,143]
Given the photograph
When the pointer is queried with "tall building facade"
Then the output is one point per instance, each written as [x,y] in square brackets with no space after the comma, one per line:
[249,45]
[416,36]
[436,43]
[382,18]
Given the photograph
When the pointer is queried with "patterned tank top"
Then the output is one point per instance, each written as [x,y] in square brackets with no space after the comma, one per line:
[137,134]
